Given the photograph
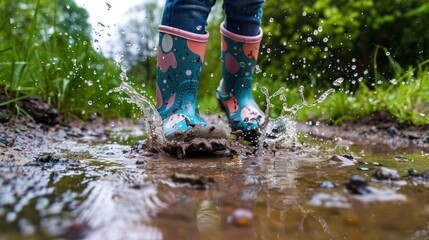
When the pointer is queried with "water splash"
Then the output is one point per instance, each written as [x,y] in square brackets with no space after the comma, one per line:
[283,129]
[151,117]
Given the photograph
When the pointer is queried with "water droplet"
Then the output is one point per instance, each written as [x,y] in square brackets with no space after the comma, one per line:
[304,14]
[271,19]
[68,6]
[338,81]
[264,90]
[85,42]
[257,69]
[387,53]
[89,102]
[393,81]
[255,86]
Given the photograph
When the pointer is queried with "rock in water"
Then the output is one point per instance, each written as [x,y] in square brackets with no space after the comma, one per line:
[358,185]
[386,174]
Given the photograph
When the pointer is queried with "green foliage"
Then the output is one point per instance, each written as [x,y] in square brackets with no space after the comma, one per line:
[316,41]
[45,50]
[404,97]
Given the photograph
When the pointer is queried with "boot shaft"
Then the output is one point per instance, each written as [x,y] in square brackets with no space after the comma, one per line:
[239,56]
[180,59]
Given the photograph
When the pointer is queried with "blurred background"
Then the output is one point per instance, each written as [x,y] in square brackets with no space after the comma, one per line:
[71,53]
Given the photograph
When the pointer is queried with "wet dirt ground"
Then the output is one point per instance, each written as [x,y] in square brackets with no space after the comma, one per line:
[84,180]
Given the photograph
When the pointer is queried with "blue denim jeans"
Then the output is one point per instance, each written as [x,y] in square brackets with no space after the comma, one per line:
[241,16]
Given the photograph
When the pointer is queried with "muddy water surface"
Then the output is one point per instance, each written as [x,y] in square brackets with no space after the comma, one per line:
[82,190]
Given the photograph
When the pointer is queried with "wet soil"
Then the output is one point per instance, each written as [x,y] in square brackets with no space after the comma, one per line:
[85,180]
[379,128]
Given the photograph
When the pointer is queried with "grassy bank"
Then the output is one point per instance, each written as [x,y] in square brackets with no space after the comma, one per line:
[46,50]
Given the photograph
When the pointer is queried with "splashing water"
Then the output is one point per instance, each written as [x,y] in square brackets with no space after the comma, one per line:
[151,117]
[283,128]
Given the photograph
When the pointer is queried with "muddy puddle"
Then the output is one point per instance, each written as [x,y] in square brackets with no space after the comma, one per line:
[318,190]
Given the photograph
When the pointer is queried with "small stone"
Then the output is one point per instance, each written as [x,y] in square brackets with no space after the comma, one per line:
[363,168]
[342,161]
[357,185]
[3,140]
[240,217]
[327,184]
[141,161]
[8,154]
[413,172]
[401,159]
[384,173]
[74,164]
[47,158]
[393,132]
[424,175]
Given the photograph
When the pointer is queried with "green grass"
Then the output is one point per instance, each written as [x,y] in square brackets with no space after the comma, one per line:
[405,97]
[43,60]
[65,70]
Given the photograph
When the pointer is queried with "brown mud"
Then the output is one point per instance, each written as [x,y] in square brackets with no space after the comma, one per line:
[90,180]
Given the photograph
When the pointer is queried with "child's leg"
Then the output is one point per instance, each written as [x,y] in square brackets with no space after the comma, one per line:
[241,37]
[182,43]
[188,15]
[243,17]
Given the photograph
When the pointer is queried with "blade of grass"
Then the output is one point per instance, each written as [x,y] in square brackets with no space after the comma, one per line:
[12,100]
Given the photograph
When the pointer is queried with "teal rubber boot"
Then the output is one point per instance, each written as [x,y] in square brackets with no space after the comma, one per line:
[180,58]
[239,55]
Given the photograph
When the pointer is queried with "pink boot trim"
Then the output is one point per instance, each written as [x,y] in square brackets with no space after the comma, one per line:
[241,38]
[184,34]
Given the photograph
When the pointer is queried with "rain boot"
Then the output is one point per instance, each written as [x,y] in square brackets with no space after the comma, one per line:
[239,55]
[180,58]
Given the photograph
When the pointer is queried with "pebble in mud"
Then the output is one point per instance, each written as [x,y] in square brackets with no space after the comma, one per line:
[416,175]
[384,173]
[358,185]
[389,176]
[6,141]
[342,160]
[364,168]
[328,184]
[240,217]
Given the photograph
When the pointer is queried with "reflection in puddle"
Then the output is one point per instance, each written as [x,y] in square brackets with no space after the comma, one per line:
[99,192]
